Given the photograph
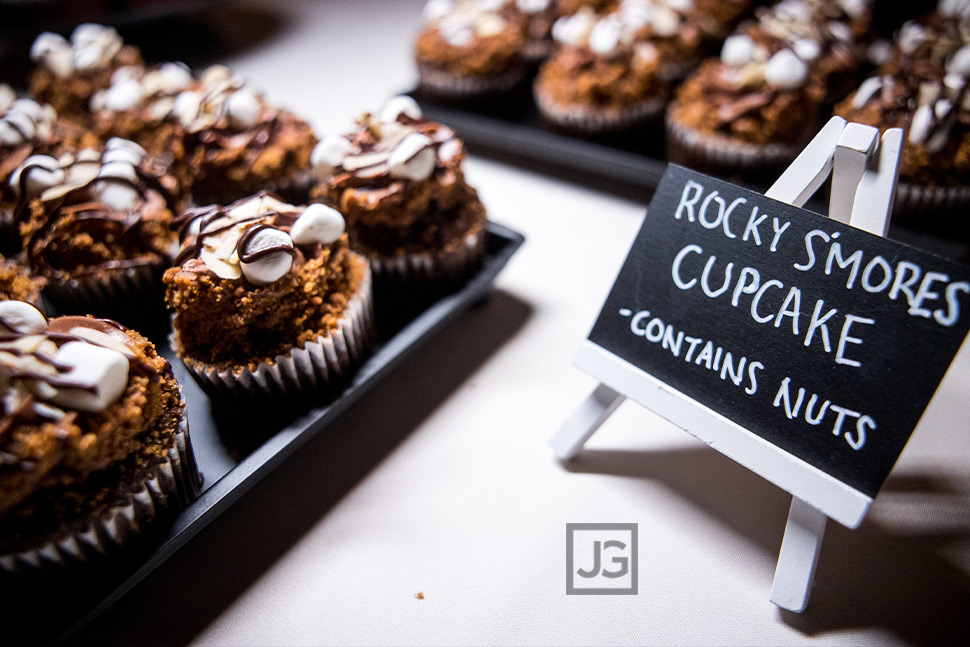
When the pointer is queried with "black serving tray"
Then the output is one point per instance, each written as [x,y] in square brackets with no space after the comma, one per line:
[59,606]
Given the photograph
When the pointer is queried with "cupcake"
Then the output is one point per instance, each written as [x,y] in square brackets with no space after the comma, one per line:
[68,73]
[237,143]
[751,110]
[398,181]
[139,105]
[94,449]
[614,71]
[269,300]
[469,48]
[97,226]
[923,88]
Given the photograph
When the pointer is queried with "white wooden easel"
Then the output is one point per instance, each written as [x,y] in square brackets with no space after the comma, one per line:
[864,172]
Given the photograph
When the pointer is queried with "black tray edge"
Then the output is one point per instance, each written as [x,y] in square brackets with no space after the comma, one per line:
[227,490]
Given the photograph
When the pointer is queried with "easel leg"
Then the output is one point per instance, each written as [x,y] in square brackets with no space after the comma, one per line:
[799,554]
[585,420]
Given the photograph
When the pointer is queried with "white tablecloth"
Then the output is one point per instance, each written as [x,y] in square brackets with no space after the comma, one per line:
[440,480]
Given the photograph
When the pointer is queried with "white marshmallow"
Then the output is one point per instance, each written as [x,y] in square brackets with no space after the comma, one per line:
[910,37]
[122,96]
[22,122]
[807,49]
[959,63]
[116,195]
[572,30]
[53,52]
[489,24]
[118,143]
[267,269]
[43,174]
[840,31]
[104,369]
[328,154]
[173,77]
[399,105]
[605,35]
[436,9]
[919,128]
[414,158]
[737,50]
[7,97]
[9,136]
[489,5]
[317,224]
[665,22]
[456,30]
[867,90]
[21,317]
[29,107]
[188,106]
[682,6]
[786,71]
[243,109]
[118,170]
[854,8]
[531,6]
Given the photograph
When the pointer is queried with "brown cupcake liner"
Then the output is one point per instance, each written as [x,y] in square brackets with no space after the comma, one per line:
[129,289]
[594,120]
[426,269]
[447,85]
[165,490]
[717,153]
[307,369]
[916,202]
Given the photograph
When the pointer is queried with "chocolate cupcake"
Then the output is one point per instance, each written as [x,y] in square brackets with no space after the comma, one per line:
[923,88]
[399,183]
[751,110]
[94,449]
[97,226]
[68,73]
[237,143]
[269,300]
[469,48]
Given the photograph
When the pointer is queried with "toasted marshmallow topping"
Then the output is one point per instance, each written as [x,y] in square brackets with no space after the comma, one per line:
[92,47]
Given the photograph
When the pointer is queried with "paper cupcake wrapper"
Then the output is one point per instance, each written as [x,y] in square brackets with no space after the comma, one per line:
[917,202]
[303,370]
[590,120]
[711,152]
[452,86]
[425,269]
[129,289]
[166,489]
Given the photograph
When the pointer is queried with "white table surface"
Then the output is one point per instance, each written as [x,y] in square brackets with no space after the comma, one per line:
[440,480]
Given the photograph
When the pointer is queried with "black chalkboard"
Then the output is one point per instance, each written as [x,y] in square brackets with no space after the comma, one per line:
[824,340]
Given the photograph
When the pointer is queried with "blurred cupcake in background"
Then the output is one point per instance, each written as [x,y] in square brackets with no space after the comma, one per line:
[67,73]
[923,88]
[467,48]
[97,226]
[751,110]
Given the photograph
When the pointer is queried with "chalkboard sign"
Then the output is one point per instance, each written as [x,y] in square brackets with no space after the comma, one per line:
[821,339]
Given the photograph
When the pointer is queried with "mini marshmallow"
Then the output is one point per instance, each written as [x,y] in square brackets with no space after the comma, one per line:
[910,37]
[919,128]
[10,136]
[959,63]
[187,107]
[122,154]
[116,195]
[605,35]
[854,8]
[7,97]
[489,24]
[104,369]
[456,31]
[867,90]
[489,5]
[840,31]
[807,49]
[737,50]
[413,159]
[397,106]
[272,268]
[22,122]
[328,154]
[173,77]
[531,6]
[122,96]
[119,143]
[572,30]
[436,9]
[243,109]
[317,224]
[30,108]
[118,170]
[21,317]
[665,22]
[43,173]
[54,52]
[786,71]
